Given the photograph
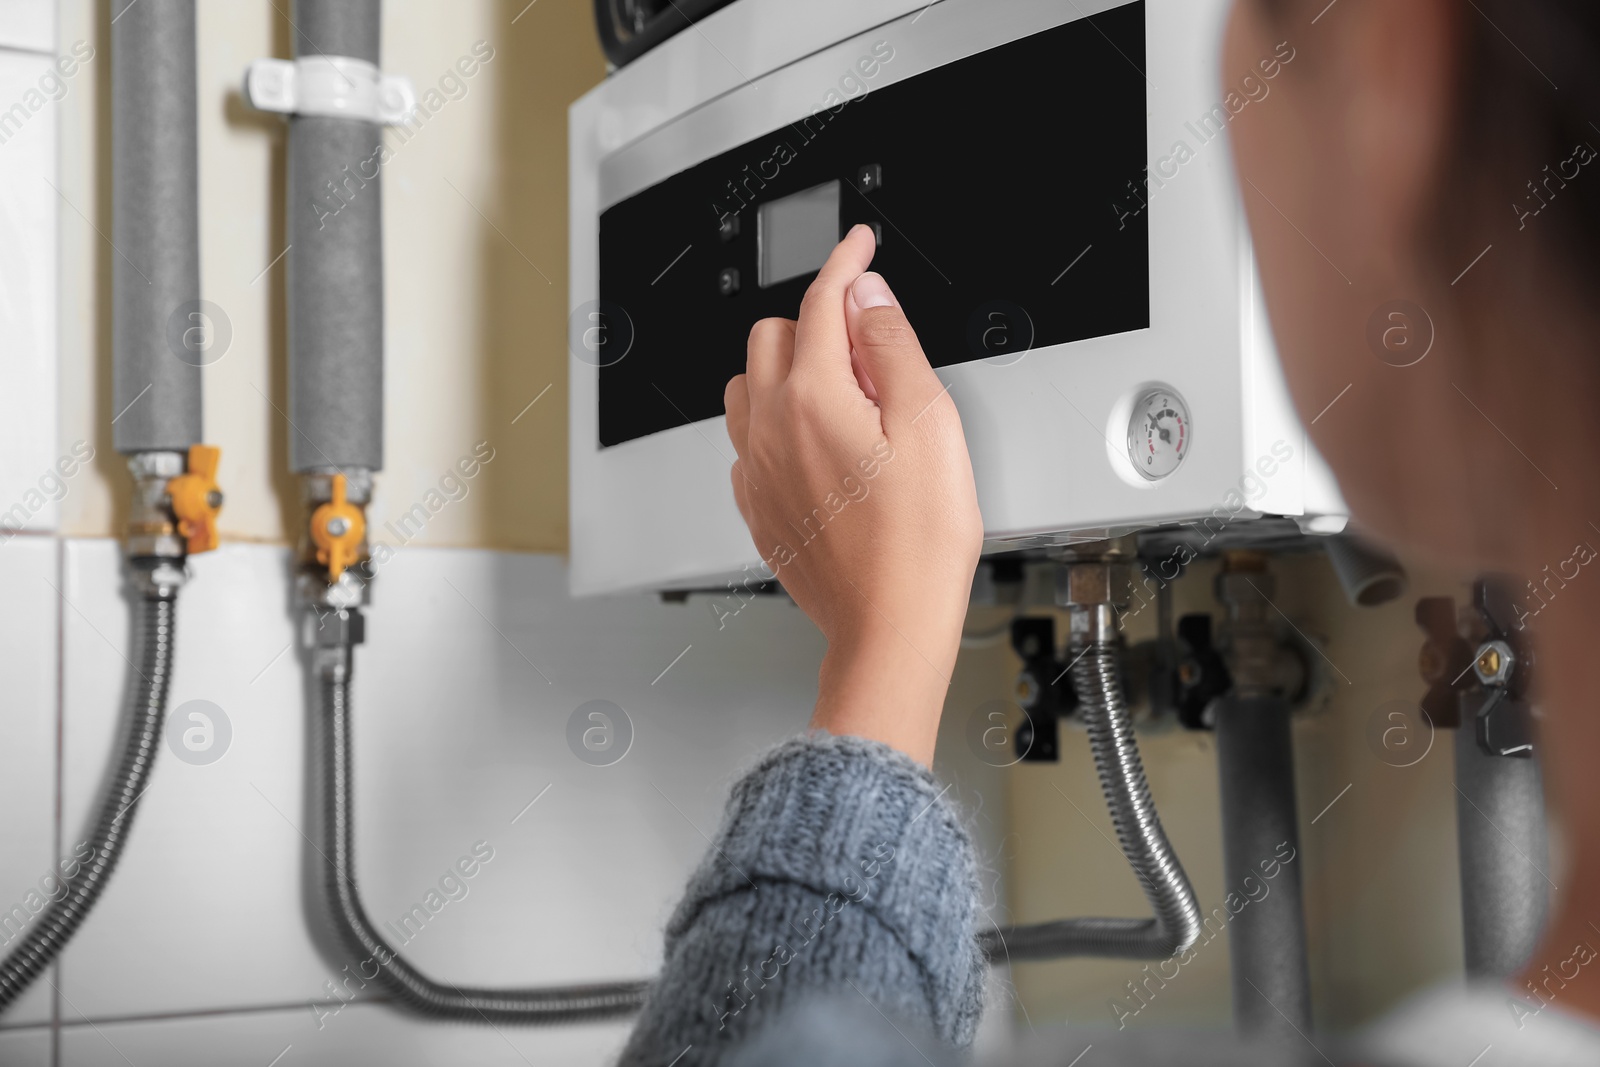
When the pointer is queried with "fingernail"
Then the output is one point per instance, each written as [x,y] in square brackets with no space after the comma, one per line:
[871,291]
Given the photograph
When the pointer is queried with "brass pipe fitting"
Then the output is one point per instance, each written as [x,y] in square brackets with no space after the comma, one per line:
[175,504]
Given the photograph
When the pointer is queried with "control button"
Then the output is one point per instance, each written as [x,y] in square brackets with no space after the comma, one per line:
[877,232]
[728,228]
[869,178]
[728,281]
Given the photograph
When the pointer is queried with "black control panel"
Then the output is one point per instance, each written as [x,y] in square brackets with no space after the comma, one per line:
[999,186]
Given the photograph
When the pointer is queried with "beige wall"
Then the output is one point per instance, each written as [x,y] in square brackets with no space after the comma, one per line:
[475,314]
[1380,868]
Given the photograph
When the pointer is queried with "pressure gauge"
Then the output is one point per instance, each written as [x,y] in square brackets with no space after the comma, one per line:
[1159,433]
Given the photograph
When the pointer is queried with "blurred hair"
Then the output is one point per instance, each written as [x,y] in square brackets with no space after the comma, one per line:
[1513,120]
[1528,94]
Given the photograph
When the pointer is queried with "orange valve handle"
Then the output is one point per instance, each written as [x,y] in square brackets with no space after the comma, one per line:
[337,529]
[196,499]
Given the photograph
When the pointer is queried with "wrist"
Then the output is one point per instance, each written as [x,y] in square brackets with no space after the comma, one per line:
[887,685]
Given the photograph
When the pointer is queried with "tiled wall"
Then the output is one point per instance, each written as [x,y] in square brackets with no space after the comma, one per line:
[30,486]
[202,950]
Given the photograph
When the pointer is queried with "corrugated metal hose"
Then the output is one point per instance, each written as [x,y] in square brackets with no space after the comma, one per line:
[145,711]
[1176,924]
[393,973]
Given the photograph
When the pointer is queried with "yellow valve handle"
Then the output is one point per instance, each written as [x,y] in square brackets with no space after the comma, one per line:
[196,500]
[338,550]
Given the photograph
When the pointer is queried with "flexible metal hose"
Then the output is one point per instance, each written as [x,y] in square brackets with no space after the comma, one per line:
[1176,924]
[391,971]
[145,711]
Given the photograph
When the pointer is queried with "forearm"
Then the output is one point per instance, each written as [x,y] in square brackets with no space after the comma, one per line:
[839,864]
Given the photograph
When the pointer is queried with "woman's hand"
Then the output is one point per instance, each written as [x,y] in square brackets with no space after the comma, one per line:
[854,479]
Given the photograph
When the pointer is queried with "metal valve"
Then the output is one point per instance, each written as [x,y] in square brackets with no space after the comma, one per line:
[338,529]
[1478,665]
[196,499]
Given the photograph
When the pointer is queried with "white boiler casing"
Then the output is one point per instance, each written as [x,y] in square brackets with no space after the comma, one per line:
[1001,147]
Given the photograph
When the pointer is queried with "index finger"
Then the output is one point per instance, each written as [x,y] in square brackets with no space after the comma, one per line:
[822,341]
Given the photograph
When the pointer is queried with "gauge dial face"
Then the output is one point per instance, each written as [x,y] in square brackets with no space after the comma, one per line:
[1159,433]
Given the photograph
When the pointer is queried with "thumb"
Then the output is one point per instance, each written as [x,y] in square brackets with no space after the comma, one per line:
[888,348]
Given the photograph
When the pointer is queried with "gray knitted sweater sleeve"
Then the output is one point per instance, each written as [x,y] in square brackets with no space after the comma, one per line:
[839,869]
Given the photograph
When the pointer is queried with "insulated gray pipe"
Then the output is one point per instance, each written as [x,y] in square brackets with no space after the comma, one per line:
[155,230]
[1504,853]
[1267,938]
[335,261]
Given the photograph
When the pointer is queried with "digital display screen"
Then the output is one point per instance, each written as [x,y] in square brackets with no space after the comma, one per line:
[795,234]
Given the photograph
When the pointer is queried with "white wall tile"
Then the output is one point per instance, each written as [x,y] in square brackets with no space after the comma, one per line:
[25,1048]
[204,909]
[362,1034]
[455,733]
[28,24]
[29,486]
[28,627]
